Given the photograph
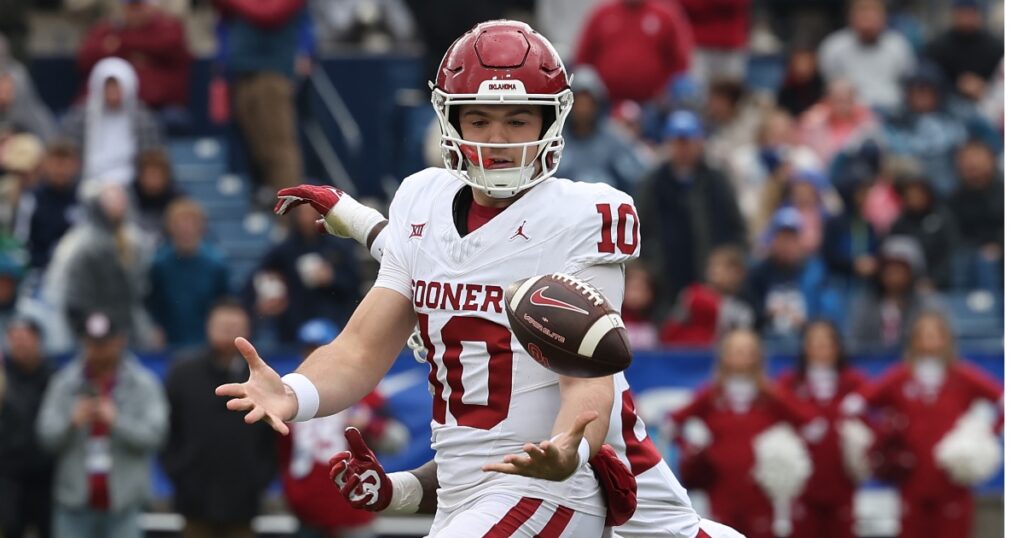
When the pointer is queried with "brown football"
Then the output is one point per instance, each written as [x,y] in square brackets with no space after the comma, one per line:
[567,326]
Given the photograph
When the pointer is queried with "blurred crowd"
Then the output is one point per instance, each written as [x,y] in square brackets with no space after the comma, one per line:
[793,162]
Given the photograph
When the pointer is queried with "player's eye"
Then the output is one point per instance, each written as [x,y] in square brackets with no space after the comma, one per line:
[516,123]
[479,123]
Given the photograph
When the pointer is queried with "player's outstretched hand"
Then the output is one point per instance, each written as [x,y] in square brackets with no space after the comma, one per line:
[321,197]
[554,460]
[359,476]
[264,396]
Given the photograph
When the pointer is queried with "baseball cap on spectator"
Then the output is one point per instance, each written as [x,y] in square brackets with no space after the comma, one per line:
[683,124]
[904,249]
[99,326]
[585,79]
[27,322]
[786,219]
[926,74]
[317,332]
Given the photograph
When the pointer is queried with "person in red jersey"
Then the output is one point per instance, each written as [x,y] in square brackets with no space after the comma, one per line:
[822,379]
[736,407]
[921,401]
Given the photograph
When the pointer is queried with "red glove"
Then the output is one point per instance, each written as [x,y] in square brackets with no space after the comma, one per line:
[359,476]
[618,486]
[321,197]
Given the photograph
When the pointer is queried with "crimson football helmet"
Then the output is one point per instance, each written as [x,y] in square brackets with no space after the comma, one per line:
[502,62]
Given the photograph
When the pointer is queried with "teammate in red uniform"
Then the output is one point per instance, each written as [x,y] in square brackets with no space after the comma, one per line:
[821,381]
[922,399]
[740,404]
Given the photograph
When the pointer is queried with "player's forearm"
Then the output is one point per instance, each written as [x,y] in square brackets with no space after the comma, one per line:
[580,395]
[347,369]
[427,476]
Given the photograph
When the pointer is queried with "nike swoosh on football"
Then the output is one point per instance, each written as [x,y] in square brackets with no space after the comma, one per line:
[538,298]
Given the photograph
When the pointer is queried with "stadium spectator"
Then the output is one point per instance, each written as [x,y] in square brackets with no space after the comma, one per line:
[821,380]
[721,29]
[100,265]
[20,156]
[789,287]
[924,401]
[12,269]
[761,170]
[378,25]
[967,52]
[929,221]
[802,86]
[259,41]
[594,149]
[733,409]
[112,126]
[836,122]
[707,310]
[638,307]
[26,471]
[806,192]
[689,208]
[732,120]
[153,191]
[636,46]
[216,488]
[48,210]
[21,110]
[187,277]
[104,416]
[851,243]
[930,128]
[881,316]
[561,21]
[978,206]
[319,275]
[873,58]
[305,452]
[153,42]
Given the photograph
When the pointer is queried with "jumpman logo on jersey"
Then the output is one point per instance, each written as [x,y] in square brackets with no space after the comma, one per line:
[519,233]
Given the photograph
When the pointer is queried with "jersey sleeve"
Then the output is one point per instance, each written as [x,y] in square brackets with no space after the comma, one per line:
[395,272]
[604,230]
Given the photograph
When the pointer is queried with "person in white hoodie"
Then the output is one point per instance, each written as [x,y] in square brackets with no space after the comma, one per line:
[112,126]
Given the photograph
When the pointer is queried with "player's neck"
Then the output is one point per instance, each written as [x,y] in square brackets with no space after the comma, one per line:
[482,199]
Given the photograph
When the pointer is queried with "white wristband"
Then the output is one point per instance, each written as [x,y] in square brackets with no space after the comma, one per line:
[306,394]
[584,453]
[349,218]
[406,493]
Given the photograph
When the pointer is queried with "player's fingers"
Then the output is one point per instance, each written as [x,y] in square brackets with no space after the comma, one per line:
[506,468]
[580,424]
[240,404]
[544,445]
[340,457]
[321,227]
[249,353]
[349,489]
[254,416]
[519,460]
[236,390]
[534,451]
[338,472]
[276,423]
[356,442]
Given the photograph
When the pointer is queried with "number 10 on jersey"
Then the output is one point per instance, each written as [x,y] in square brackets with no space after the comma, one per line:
[626,243]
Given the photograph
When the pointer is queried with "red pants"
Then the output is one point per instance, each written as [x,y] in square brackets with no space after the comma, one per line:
[937,518]
[813,520]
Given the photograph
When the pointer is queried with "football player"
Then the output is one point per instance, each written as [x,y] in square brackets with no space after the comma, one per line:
[457,237]
[663,507]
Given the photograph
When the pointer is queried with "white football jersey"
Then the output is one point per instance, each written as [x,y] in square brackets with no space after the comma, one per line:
[490,396]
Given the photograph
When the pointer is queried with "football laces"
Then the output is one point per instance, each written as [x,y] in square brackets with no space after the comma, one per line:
[590,292]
